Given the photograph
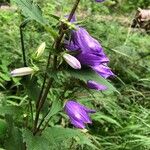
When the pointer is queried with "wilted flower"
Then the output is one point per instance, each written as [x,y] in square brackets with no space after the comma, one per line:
[90,51]
[78,114]
[96,86]
[22,71]
[72,61]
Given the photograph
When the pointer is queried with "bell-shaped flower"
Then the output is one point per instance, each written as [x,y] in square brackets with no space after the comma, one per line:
[22,71]
[72,61]
[103,70]
[89,52]
[96,86]
[78,114]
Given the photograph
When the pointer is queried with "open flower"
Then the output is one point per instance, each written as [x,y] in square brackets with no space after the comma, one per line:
[90,52]
[78,114]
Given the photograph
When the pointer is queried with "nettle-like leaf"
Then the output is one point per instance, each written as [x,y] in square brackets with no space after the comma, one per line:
[56,138]
[59,136]
[31,11]
[87,74]
[35,142]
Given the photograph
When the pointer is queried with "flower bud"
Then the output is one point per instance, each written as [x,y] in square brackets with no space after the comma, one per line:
[22,71]
[40,50]
[72,61]
[96,86]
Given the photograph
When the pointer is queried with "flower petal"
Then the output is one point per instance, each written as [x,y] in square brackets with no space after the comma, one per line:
[103,70]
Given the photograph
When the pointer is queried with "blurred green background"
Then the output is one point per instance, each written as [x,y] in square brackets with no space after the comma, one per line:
[122,121]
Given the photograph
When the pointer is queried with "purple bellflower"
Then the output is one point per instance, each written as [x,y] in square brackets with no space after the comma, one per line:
[78,114]
[90,52]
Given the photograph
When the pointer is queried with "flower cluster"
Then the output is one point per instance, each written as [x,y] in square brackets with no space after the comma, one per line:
[89,53]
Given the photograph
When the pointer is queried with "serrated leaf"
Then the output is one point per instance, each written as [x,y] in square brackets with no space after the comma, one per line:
[35,142]
[87,74]
[58,135]
[31,10]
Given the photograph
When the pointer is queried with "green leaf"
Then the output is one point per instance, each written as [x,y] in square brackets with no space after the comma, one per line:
[56,107]
[3,129]
[31,85]
[58,136]
[5,77]
[14,140]
[35,142]
[100,116]
[14,110]
[87,74]
[31,10]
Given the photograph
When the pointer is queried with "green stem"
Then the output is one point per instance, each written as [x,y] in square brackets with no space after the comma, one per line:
[43,97]
[22,26]
[22,47]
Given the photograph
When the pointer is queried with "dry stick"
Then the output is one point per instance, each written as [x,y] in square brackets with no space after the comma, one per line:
[41,101]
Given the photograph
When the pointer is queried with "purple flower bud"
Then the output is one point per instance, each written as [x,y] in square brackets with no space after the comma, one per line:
[96,86]
[72,61]
[99,0]
[103,70]
[78,114]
